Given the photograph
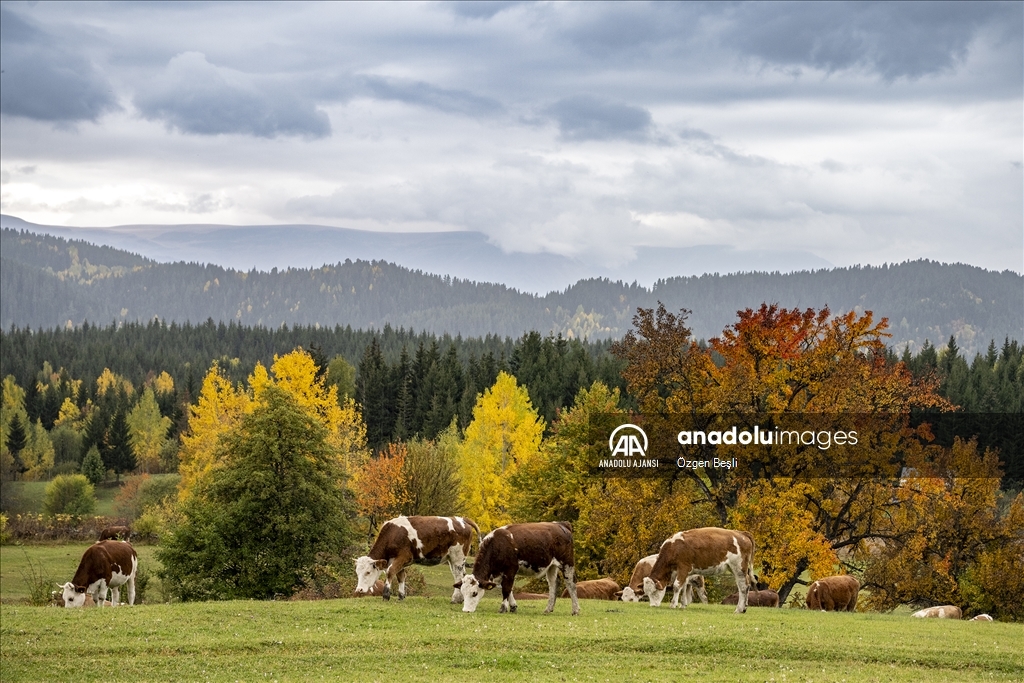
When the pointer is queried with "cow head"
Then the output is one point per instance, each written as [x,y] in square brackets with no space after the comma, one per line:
[367,571]
[627,594]
[73,596]
[654,590]
[472,591]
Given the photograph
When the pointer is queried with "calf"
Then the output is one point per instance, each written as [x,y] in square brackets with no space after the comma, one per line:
[419,540]
[833,594]
[765,598]
[599,589]
[536,548]
[116,533]
[633,592]
[105,564]
[707,551]
[982,617]
[941,612]
[376,589]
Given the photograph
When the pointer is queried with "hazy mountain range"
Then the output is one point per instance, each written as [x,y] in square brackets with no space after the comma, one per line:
[49,281]
[465,255]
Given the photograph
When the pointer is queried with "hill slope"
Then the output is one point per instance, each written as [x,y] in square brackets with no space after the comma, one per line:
[49,281]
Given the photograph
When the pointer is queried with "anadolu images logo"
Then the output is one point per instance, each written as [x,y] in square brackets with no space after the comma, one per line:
[628,444]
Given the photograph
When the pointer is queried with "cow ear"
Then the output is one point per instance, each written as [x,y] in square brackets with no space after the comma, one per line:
[618,594]
[457,585]
[487,585]
[381,564]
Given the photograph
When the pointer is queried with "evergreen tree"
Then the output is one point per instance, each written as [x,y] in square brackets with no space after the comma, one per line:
[17,440]
[118,455]
[92,466]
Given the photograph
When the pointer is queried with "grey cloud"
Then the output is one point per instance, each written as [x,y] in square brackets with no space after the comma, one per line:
[198,97]
[45,80]
[432,97]
[583,117]
[894,39]
[481,9]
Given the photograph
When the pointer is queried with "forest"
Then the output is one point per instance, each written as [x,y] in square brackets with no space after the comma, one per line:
[50,282]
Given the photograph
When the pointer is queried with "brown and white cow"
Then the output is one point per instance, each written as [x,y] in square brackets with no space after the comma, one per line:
[376,589]
[416,540]
[706,551]
[116,533]
[765,598]
[833,594]
[634,589]
[597,589]
[982,617]
[105,564]
[940,612]
[535,548]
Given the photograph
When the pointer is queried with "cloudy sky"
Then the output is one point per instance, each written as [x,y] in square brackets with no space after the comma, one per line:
[861,133]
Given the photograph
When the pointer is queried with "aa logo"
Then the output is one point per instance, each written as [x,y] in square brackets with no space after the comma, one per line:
[628,444]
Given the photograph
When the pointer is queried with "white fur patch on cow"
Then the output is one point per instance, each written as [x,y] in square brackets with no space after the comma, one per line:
[414,537]
[472,593]
[366,574]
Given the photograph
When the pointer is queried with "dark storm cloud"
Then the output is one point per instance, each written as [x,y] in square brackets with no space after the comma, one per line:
[430,96]
[197,97]
[584,117]
[893,39]
[46,80]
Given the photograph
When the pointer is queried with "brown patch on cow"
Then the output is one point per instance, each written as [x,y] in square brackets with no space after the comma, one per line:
[530,596]
[640,572]
[833,594]
[598,589]
[702,550]
[377,589]
[982,617]
[939,612]
[760,598]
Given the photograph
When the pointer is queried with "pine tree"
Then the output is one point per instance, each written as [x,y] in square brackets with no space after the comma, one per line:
[92,466]
[17,440]
[119,455]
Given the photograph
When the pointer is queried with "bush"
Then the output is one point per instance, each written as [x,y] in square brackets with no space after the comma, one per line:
[142,492]
[92,466]
[70,494]
[4,534]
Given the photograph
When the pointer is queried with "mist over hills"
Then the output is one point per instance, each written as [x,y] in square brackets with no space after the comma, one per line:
[465,255]
[49,281]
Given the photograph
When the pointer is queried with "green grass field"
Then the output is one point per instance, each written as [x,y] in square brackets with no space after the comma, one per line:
[29,496]
[426,638]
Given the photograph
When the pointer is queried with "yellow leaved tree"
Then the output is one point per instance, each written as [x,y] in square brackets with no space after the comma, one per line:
[505,434]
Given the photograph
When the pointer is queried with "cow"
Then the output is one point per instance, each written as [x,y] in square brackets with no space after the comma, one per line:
[598,589]
[416,540]
[833,594]
[376,589]
[982,617]
[765,598]
[706,551]
[941,612]
[530,596]
[536,548]
[634,589]
[105,564]
[116,533]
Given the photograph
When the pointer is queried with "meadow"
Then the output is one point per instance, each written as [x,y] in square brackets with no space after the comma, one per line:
[427,639]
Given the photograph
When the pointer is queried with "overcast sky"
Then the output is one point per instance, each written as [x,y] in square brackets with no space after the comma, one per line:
[861,132]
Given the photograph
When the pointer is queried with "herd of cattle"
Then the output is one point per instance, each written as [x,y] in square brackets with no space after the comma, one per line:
[533,549]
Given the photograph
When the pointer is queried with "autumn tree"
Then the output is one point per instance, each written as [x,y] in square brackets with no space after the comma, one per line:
[148,430]
[504,435]
[432,473]
[381,486]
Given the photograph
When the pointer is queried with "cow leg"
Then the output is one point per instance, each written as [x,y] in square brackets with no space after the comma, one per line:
[508,603]
[570,584]
[397,564]
[457,563]
[552,574]
[131,590]
[115,596]
[741,587]
[401,584]
[680,591]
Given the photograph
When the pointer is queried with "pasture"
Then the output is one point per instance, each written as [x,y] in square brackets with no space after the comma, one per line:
[427,639]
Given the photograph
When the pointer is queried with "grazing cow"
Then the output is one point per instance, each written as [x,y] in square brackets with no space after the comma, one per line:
[376,589]
[536,548]
[941,612]
[833,594]
[633,592]
[105,564]
[419,540]
[116,533]
[599,589]
[982,617]
[765,598]
[707,551]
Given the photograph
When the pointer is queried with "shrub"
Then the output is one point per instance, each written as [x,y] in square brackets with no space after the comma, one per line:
[92,466]
[142,492]
[4,534]
[70,494]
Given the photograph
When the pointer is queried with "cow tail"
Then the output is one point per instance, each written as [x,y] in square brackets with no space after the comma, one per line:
[751,580]
[479,536]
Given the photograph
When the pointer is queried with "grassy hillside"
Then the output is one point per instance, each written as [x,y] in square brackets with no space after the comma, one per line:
[427,639]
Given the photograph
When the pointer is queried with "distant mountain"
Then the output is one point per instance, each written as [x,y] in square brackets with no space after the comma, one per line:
[48,281]
[465,255]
